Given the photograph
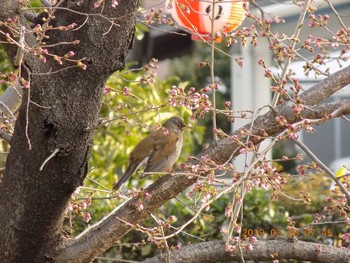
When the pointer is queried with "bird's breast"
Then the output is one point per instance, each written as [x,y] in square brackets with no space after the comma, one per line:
[178,147]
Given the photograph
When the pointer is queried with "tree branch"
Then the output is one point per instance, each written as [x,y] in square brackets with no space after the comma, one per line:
[114,227]
[10,101]
[323,167]
[214,251]
[5,136]
[327,87]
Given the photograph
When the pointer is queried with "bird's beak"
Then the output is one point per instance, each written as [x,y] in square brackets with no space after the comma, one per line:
[186,127]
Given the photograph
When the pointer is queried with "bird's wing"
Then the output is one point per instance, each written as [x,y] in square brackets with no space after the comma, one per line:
[164,145]
[164,142]
[141,151]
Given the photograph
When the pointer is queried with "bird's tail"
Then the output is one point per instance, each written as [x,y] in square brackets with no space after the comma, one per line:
[129,171]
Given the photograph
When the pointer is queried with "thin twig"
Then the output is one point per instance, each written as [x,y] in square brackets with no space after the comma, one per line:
[95,189]
[7,109]
[94,181]
[27,111]
[48,158]
[203,206]
[323,166]
[294,42]
[212,69]
[255,159]
[345,118]
[160,224]
[336,14]
[20,50]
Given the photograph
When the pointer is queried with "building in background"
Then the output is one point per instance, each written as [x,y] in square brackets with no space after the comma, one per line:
[250,90]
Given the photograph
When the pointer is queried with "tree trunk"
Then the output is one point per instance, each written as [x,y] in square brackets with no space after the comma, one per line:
[57,117]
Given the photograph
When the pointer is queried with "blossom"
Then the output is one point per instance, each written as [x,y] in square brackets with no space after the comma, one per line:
[87,217]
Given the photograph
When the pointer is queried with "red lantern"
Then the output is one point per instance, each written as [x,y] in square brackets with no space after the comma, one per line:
[195,16]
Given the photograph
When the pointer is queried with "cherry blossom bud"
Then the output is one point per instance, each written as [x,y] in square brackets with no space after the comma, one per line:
[249,247]
[261,62]
[69,54]
[126,91]
[58,59]
[97,4]
[230,248]
[346,237]
[106,90]
[253,239]
[330,199]
[114,3]
[81,65]
[71,26]
[87,217]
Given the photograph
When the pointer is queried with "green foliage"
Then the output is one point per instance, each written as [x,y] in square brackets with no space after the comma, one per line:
[128,119]
[129,111]
[5,65]
[140,31]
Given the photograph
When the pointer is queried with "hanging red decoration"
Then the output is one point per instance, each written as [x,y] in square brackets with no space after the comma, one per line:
[195,16]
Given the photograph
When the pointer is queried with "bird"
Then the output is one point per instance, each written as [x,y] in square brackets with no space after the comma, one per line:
[158,152]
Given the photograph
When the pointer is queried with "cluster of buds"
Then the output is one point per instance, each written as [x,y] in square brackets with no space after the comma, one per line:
[9,78]
[157,17]
[282,52]
[79,206]
[244,34]
[302,169]
[346,237]
[319,218]
[43,54]
[12,78]
[198,102]
[337,205]
[205,192]
[307,126]
[305,197]
[270,175]
[264,25]
[318,21]
[150,75]
[342,37]
[161,244]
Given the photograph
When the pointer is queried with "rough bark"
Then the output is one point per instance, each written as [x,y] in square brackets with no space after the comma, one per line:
[214,251]
[59,112]
[326,88]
